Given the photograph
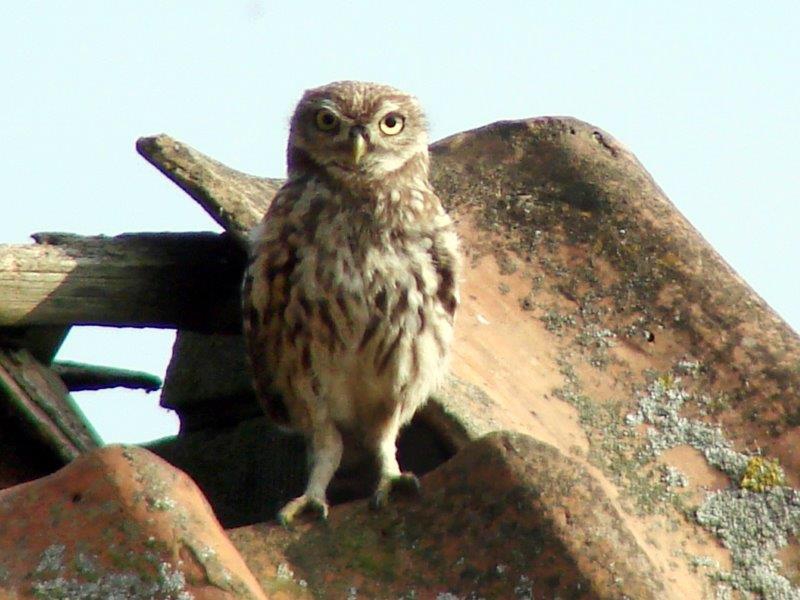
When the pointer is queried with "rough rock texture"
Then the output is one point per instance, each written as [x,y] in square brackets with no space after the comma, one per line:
[508,517]
[249,470]
[573,211]
[637,375]
[596,319]
[117,522]
[207,371]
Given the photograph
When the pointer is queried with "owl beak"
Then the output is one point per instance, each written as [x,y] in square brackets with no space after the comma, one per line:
[359,144]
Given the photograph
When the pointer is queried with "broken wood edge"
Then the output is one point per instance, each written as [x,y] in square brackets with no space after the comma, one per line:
[235,200]
[162,280]
[30,399]
[79,377]
[176,166]
[43,341]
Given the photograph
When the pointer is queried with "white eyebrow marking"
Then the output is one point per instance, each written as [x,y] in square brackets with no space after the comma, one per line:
[329,105]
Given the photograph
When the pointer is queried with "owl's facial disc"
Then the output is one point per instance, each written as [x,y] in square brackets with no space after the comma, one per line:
[357,132]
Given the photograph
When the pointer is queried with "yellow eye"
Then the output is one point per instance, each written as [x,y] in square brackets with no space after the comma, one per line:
[392,124]
[326,120]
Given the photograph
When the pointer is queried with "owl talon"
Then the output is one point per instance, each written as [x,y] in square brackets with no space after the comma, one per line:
[406,484]
[300,505]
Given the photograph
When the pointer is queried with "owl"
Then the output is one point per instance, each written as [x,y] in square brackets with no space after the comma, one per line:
[351,290]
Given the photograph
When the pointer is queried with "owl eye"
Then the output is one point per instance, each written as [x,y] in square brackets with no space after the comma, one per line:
[326,120]
[392,124]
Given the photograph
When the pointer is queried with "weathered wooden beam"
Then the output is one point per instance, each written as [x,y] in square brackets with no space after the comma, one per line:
[43,341]
[43,403]
[234,199]
[79,377]
[173,280]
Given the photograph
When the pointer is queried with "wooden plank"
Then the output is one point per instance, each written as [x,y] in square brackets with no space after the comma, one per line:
[234,199]
[42,401]
[170,280]
[79,377]
[43,341]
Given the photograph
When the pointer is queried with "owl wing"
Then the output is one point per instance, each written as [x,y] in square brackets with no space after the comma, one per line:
[265,295]
[446,258]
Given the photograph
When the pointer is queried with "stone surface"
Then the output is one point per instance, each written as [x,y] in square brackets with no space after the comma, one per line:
[207,371]
[595,320]
[590,304]
[569,209]
[117,522]
[576,225]
[249,470]
[508,517]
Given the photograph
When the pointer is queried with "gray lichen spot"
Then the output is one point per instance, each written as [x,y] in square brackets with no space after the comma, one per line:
[597,341]
[688,366]
[673,477]
[752,523]
[206,553]
[753,526]
[51,560]
[660,407]
[161,503]
[555,322]
[284,571]
[286,582]
[703,562]
[616,449]
[723,592]
[86,566]
[52,582]
[216,572]
[524,589]
[754,519]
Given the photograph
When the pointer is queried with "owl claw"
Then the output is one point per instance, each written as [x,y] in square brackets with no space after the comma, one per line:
[300,505]
[405,483]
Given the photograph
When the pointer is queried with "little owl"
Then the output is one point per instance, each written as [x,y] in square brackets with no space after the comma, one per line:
[352,286]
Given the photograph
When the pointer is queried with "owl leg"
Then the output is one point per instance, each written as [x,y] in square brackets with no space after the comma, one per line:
[326,454]
[391,478]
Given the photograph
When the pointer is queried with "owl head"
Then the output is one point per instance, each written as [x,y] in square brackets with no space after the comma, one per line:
[357,132]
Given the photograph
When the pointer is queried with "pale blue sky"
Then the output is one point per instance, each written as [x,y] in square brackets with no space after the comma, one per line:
[705,94]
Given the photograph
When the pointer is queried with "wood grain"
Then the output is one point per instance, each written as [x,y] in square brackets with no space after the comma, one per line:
[169,280]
